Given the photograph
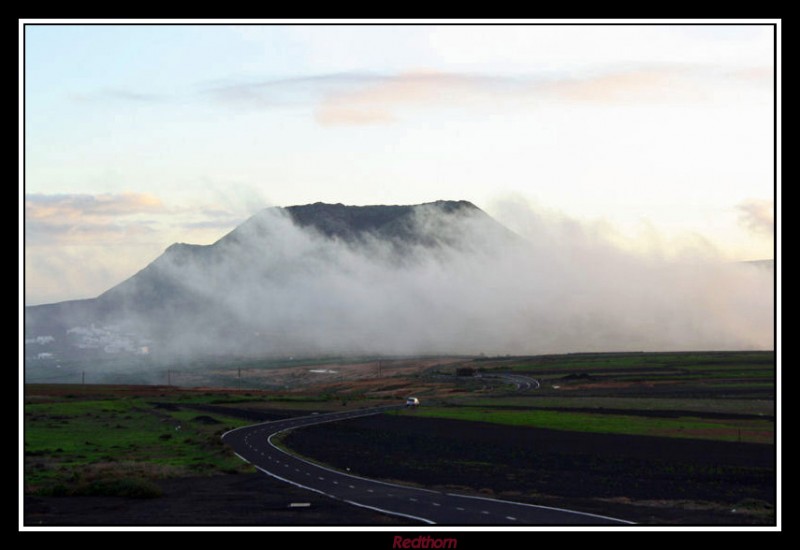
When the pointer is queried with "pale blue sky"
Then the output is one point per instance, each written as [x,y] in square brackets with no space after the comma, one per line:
[137,136]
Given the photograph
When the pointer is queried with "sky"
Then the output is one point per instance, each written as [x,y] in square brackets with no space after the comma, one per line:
[140,135]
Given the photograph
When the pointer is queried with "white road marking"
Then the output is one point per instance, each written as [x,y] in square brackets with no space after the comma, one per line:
[573,512]
[485,512]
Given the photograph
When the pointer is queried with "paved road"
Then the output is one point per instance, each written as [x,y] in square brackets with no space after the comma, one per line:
[521,382]
[254,445]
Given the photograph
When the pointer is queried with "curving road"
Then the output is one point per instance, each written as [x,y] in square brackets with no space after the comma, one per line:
[254,444]
[521,382]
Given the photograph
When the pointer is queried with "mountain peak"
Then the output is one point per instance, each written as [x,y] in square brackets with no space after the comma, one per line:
[351,223]
[273,273]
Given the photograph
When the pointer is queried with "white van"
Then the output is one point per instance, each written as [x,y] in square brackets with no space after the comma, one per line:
[412,402]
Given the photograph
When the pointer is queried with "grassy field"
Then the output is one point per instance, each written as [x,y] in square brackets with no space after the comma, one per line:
[697,427]
[746,369]
[116,440]
[764,407]
[81,441]
[636,360]
[726,396]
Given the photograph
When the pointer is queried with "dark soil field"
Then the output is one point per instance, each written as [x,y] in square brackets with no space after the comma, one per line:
[254,500]
[650,480]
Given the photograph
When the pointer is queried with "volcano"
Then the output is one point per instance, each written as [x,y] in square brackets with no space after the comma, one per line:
[314,278]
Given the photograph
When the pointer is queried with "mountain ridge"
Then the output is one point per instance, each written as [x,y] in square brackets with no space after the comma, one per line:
[443,277]
[190,282]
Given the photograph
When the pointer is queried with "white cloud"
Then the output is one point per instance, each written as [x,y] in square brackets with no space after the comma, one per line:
[370,99]
[40,206]
[569,288]
[757,216]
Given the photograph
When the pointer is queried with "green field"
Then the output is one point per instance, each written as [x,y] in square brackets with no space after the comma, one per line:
[634,360]
[79,444]
[763,407]
[712,367]
[696,427]
[727,396]
[115,440]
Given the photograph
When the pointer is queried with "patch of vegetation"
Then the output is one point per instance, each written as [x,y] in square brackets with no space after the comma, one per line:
[689,427]
[664,367]
[630,361]
[708,395]
[85,446]
[763,407]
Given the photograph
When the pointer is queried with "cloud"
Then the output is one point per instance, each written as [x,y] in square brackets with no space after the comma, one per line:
[369,98]
[361,98]
[125,217]
[381,101]
[77,206]
[354,99]
[77,245]
[87,218]
[286,91]
[659,84]
[470,288]
[757,216]
[377,101]
[84,217]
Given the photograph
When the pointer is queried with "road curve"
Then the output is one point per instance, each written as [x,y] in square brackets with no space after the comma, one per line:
[254,444]
[521,382]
